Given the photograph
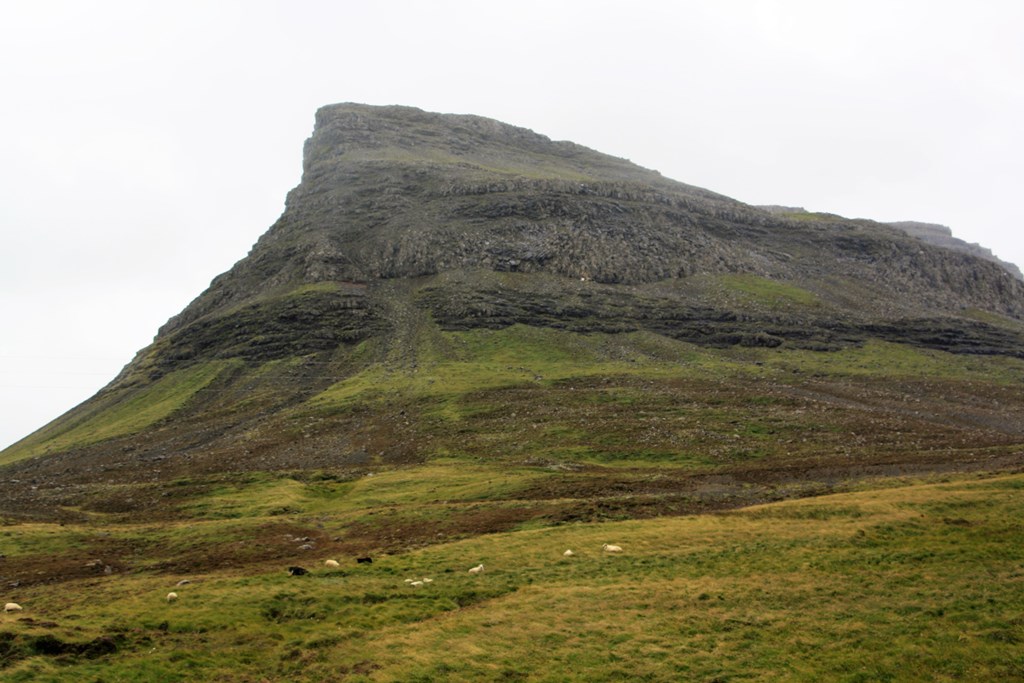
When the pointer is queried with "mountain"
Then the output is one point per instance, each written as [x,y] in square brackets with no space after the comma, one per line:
[451,286]
[462,345]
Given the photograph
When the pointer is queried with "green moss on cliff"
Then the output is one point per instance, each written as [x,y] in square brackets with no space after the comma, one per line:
[761,290]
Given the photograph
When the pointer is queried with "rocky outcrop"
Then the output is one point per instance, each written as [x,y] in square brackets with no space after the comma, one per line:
[395,193]
[942,236]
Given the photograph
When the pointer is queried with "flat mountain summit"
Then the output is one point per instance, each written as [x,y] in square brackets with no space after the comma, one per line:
[443,286]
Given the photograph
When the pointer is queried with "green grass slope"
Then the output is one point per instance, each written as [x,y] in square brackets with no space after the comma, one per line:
[908,581]
[636,402]
[437,450]
[119,412]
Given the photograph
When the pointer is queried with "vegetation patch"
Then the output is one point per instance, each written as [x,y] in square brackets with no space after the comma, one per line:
[124,411]
[761,290]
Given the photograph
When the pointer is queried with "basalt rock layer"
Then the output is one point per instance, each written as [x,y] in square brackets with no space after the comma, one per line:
[395,193]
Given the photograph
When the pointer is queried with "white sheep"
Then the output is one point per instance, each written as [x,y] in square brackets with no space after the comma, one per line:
[409,580]
[332,563]
[568,553]
[611,548]
[12,607]
[171,597]
[477,569]
[416,584]
[426,580]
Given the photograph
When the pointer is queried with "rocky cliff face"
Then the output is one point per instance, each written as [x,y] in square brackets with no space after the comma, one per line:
[391,193]
[942,236]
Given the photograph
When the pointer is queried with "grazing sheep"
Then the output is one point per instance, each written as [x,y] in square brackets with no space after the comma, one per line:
[12,607]
[416,584]
[297,571]
[183,582]
[611,548]
[568,553]
[409,580]
[364,560]
[477,569]
[426,580]
[332,563]
[171,597]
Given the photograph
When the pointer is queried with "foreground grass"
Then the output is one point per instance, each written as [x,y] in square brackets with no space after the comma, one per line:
[911,582]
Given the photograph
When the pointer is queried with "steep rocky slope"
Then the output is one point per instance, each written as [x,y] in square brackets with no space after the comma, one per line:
[942,236]
[395,192]
[391,193]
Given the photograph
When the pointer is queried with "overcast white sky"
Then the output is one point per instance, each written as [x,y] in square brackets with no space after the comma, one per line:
[145,146]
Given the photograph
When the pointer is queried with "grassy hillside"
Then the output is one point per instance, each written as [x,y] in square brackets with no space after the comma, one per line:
[894,553]
[907,581]
[587,397]
[667,425]
[118,413]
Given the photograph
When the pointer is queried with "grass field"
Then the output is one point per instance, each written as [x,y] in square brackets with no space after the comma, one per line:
[904,581]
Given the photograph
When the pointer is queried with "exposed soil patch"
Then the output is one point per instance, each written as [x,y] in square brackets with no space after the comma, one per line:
[644,493]
[103,557]
[289,543]
[17,646]
[284,542]
[395,530]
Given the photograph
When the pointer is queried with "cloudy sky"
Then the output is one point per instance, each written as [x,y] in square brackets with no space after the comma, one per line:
[145,146]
